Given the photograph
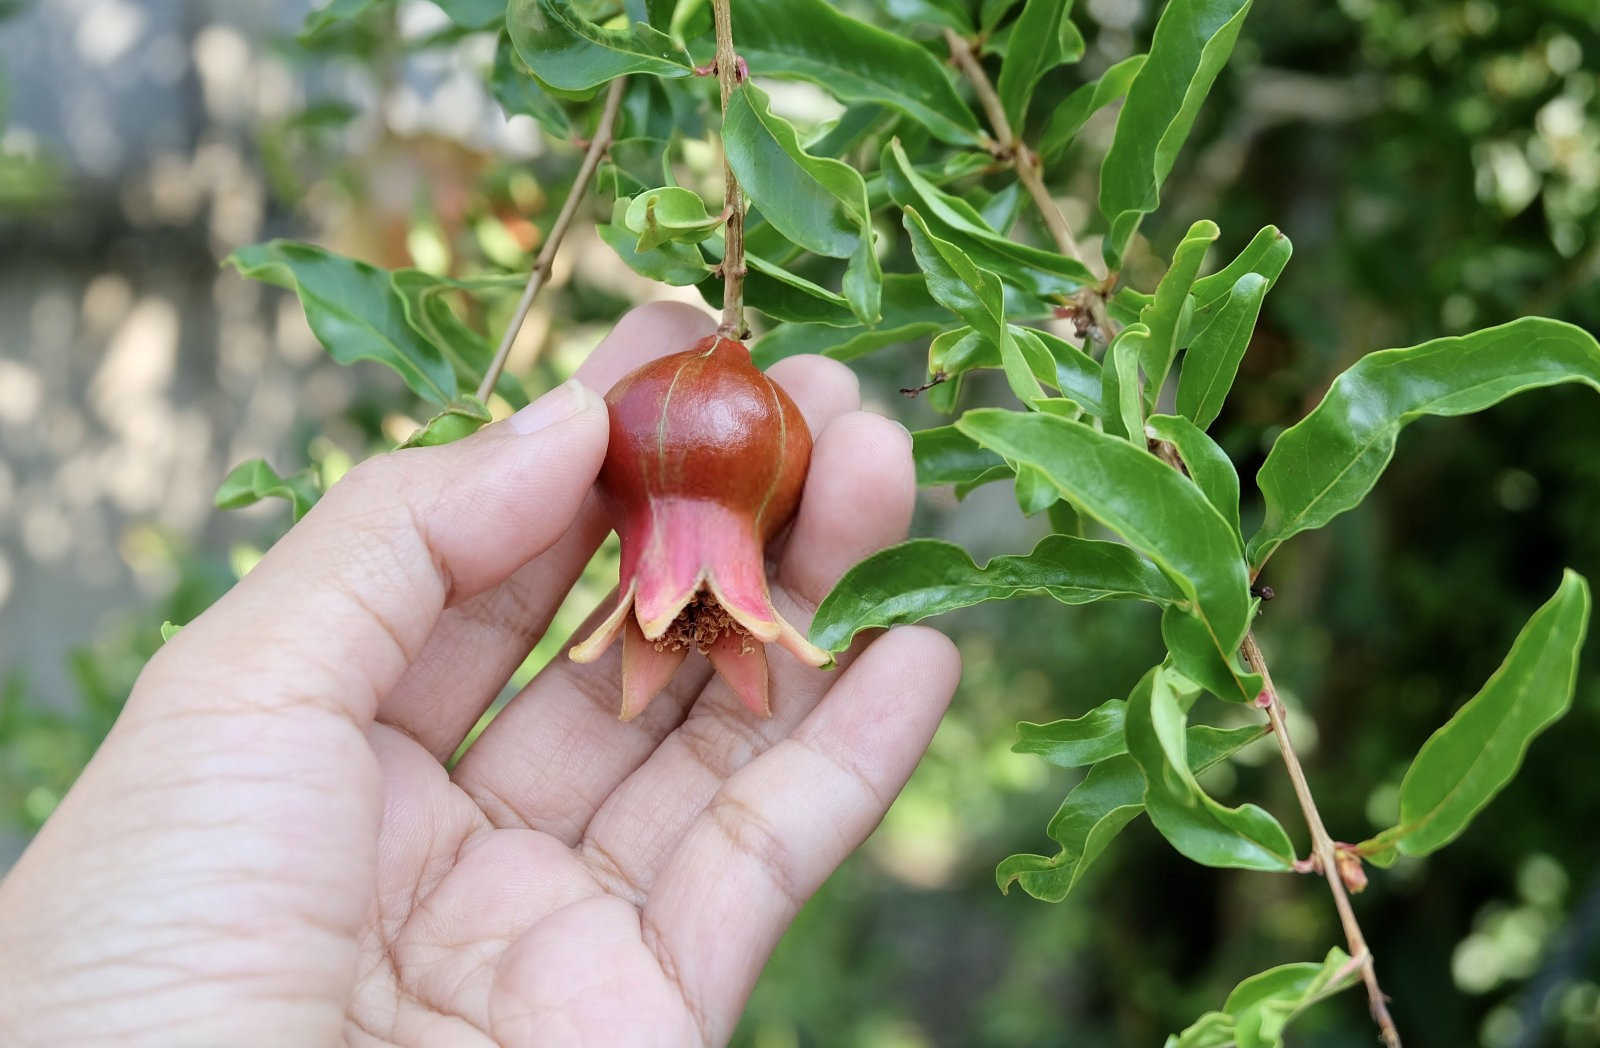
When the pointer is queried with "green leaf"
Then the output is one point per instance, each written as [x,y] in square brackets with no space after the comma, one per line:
[1212,360]
[1165,314]
[1262,1006]
[1042,38]
[462,417]
[1199,827]
[976,295]
[1095,811]
[1158,512]
[1077,375]
[855,62]
[424,298]
[571,53]
[817,202]
[780,293]
[991,13]
[1267,253]
[1326,463]
[1076,741]
[1107,799]
[669,214]
[169,630]
[1121,384]
[1036,270]
[250,482]
[1192,41]
[924,577]
[945,455]
[1034,492]
[354,311]
[952,13]
[1070,116]
[519,92]
[677,264]
[474,14]
[1208,465]
[909,313]
[1466,762]
[956,352]
[331,14]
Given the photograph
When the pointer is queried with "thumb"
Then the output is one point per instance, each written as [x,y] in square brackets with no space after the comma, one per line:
[338,607]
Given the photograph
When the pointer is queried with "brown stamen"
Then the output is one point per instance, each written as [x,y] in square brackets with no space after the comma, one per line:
[699,625]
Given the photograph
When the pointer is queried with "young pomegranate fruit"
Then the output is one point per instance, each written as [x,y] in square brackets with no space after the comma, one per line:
[706,462]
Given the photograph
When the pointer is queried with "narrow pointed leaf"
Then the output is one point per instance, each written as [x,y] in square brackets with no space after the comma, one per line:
[1192,42]
[1076,741]
[1471,758]
[1199,827]
[924,577]
[1122,386]
[571,53]
[909,314]
[1326,463]
[1212,360]
[353,310]
[1165,313]
[424,298]
[855,62]
[1077,373]
[1070,116]
[1208,465]
[945,455]
[1262,1006]
[1154,509]
[1267,253]
[250,482]
[520,94]
[462,417]
[1042,38]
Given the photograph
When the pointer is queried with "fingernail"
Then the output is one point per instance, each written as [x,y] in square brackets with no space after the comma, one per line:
[558,405]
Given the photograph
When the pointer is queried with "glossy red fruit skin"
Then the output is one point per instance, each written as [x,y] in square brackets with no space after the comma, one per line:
[706,463]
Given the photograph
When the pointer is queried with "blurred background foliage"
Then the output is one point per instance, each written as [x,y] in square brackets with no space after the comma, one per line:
[1437,164]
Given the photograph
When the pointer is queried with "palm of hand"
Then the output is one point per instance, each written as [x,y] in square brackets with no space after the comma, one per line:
[272,851]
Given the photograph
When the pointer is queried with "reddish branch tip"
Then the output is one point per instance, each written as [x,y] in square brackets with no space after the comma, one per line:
[741,69]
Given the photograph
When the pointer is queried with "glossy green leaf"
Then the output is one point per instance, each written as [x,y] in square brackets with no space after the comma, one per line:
[1107,799]
[1070,116]
[571,53]
[958,351]
[855,62]
[1199,827]
[992,12]
[1267,253]
[924,577]
[1212,360]
[169,630]
[1033,490]
[945,455]
[250,482]
[474,14]
[519,92]
[669,214]
[331,14]
[1165,314]
[1122,386]
[1156,510]
[425,299]
[1262,1006]
[677,264]
[949,217]
[1077,741]
[817,202]
[1094,812]
[1208,465]
[354,311]
[1470,759]
[462,417]
[1192,42]
[1043,37]
[1077,374]
[909,314]
[781,293]
[1326,463]
[974,294]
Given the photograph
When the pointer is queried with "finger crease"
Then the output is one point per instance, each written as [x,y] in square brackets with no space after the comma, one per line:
[656,943]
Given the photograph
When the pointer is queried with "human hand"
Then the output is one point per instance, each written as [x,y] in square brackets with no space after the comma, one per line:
[267,849]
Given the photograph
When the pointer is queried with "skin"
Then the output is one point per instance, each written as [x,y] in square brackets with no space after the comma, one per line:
[267,849]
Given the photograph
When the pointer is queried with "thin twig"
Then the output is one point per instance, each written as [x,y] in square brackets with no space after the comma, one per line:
[558,232]
[728,70]
[1030,171]
[1322,845]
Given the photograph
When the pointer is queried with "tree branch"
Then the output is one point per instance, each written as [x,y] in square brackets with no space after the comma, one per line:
[1323,850]
[729,73]
[558,232]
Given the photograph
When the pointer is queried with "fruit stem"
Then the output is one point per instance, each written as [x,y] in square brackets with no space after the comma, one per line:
[729,73]
[558,232]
